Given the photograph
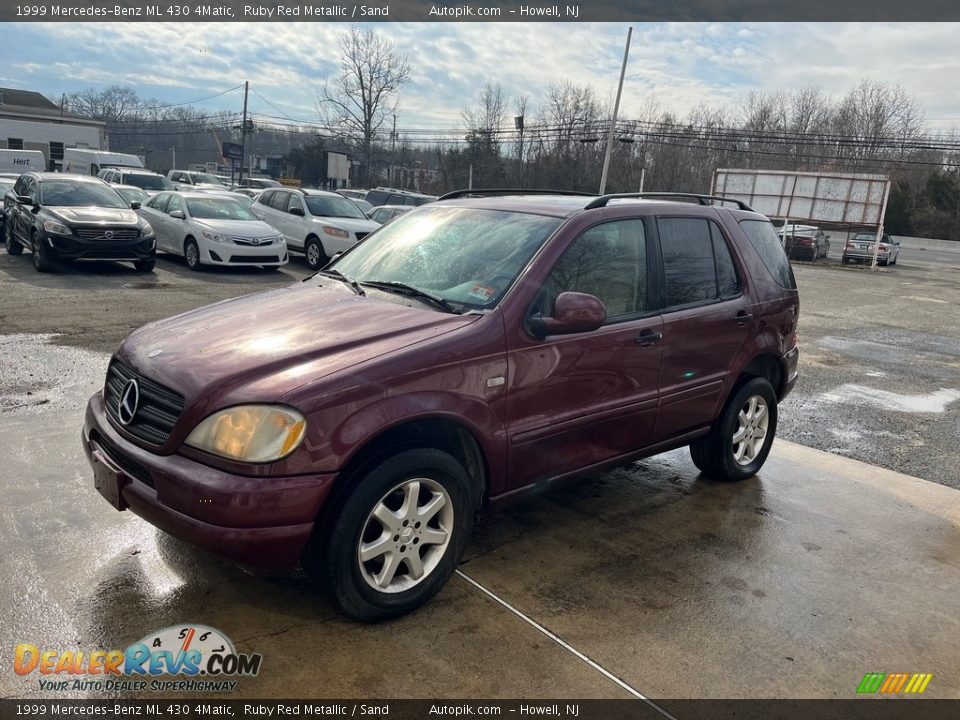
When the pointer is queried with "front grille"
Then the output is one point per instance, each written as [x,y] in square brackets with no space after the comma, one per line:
[254,259]
[128,465]
[124,234]
[361,235]
[159,407]
[252,241]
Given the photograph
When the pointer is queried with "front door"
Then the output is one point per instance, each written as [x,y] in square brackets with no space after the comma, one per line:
[580,399]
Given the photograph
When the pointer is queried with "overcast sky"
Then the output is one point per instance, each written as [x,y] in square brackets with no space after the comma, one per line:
[676,65]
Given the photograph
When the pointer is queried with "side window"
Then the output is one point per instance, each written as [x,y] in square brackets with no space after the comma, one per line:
[689,268]
[766,242]
[20,186]
[159,203]
[279,201]
[728,283]
[175,203]
[264,198]
[295,202]
[608,261]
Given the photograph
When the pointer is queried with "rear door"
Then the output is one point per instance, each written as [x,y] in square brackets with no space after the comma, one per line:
[580,399]
[707,319]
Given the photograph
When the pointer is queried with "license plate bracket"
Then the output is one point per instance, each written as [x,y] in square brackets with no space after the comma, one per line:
[108,480]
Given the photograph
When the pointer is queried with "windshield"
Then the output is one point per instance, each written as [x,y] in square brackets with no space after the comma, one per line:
[201,178]
[462,255]
[333,207]
[216,208]
[131,195]
[63,193]
[147,182]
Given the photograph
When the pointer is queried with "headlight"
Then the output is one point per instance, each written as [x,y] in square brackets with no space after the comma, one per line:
[336,232]
[146,230]
[216,237]
[250,433]
[52,226]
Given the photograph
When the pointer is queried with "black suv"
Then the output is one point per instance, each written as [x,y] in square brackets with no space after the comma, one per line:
[75,217]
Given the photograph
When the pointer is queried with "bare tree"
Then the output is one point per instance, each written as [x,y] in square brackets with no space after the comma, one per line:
[113,104]
[363,94]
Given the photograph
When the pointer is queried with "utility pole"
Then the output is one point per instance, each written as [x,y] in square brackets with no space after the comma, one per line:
[616,109]
[243,129]
[393,150]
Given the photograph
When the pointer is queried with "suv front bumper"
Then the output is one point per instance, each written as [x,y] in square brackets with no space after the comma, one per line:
[264,522]
[65,247]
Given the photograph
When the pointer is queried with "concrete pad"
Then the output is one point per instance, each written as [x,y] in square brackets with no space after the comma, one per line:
[79,575]
[792,584]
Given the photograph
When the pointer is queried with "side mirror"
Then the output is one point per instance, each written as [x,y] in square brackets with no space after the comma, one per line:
[135,205]
[178,214]
[828,237]
[296,211]
[573,312]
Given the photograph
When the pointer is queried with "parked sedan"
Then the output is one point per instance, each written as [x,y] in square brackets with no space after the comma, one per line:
[386,213]
[212,229]
[132,194]
[860,248]
[805,242]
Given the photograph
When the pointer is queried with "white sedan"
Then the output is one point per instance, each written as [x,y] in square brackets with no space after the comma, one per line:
[211,229]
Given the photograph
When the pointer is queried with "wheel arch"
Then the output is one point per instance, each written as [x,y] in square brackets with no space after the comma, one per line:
[440,432]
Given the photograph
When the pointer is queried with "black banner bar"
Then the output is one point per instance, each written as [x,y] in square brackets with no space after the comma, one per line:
[484,11]
[859,709]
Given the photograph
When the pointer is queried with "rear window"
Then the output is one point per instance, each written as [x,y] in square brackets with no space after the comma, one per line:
[766,242]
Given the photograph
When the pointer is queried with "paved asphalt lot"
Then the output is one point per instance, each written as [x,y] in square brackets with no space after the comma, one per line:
[792,584]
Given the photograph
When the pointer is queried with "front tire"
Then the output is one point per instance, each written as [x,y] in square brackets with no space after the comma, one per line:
[41,258]
[396,539]
[9,242]
[191,254]
[316,255]
[739,442]
[145,266]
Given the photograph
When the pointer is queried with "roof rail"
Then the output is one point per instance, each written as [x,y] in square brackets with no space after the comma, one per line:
[604,200]
[510,191]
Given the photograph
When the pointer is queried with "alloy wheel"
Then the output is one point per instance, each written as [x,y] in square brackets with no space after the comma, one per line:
[752,424]
[406,535]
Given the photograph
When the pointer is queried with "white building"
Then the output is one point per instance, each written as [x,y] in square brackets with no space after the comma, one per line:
[29,121]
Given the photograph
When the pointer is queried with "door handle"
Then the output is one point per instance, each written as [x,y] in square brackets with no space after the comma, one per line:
[648,337]
[743,317]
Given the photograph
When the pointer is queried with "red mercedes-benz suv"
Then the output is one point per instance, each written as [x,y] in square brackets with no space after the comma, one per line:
[470,351]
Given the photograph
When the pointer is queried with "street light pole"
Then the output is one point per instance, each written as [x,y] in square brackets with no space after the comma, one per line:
[616,110]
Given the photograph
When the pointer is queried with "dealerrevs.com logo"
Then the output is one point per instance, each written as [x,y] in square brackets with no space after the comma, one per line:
[203,655]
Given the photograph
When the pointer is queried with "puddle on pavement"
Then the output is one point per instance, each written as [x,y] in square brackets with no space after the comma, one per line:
[932,402]
[40,376]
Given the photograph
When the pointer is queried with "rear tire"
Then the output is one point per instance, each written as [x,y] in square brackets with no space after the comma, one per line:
[13,247]
[315,254]
[41,259]
[716,454]
[426,501]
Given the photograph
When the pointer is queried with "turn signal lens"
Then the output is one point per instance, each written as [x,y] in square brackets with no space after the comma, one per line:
[250,433]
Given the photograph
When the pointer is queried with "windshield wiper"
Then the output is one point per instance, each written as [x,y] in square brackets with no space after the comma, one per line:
[404,289]
[354,285]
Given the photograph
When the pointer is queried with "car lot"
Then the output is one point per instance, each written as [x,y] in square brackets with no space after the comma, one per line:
[678,586]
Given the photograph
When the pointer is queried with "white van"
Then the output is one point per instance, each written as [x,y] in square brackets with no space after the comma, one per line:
[91,162]
[21,161]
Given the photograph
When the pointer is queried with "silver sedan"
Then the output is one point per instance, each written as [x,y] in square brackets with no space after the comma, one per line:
[212,229]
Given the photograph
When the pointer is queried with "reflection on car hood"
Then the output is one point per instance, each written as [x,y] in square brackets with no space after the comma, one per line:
[239,228]
[261,346]
[114,216]
[351,224]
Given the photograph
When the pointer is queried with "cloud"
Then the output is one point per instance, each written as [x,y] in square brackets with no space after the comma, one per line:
[677,65]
